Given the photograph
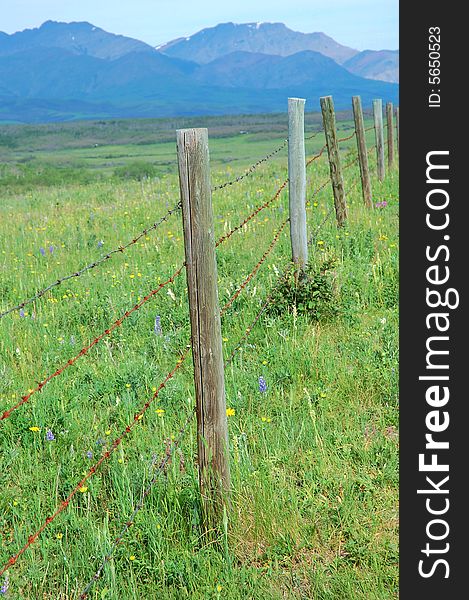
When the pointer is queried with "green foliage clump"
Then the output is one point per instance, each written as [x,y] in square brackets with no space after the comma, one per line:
[312,295]
[137,170]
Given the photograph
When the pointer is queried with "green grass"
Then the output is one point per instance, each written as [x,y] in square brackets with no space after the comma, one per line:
[313,460]
[49,155]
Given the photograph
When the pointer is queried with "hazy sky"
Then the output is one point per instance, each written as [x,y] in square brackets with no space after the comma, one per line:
[360,24]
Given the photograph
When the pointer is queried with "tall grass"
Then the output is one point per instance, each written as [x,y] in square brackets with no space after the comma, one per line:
[313,458]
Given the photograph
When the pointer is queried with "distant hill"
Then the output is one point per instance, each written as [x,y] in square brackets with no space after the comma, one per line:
[263,71]
[265,38]
[375,64]
[78,38]
[101,75]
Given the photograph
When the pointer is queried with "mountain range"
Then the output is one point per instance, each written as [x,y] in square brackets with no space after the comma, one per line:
[64,71]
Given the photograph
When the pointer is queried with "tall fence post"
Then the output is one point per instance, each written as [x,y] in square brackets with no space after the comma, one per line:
[390,127]
[328,117]
[379,137]
[397,128]
[362,151]
[297,183]
[201,267]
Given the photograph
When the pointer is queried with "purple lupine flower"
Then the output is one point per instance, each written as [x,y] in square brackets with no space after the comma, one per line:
[262,385]
[51,249]
[157,328]
[50,437]
[381,204]
[6,584]
[100,244]
[42,251]
[72,340]
[22,313]
[100,442]
[89,454]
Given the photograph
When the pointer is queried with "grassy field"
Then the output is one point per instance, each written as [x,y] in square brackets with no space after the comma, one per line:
[55,154]
[314,458]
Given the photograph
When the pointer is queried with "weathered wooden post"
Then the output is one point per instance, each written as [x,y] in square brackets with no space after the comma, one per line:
[297,183]
[379,137]
[362,151]
[397,128]
[212,427]
[390,126]
[328,117]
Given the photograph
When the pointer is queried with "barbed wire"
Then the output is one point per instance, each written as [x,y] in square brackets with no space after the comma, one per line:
[256,267]
[262,309]
[64,504]
[253,214]
[352,162]
[313,135]
[170,451]
[175,443]
[252,168]
[131,520]
[137,417]
[316,156]
[87,348]
[345,139]
[94,264]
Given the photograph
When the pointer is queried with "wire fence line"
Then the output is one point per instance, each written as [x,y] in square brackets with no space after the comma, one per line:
[88,347]
[160,469]
[166,459]
[314,134]
[26,397]
[256,267]
[137,417]
[94,264]
[136,239]
[165,217]
[271,200]
[348,137]
[115,444]
[176,443]
[252,168]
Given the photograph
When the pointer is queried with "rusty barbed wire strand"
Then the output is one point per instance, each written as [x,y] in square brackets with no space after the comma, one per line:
[345,139]
[169,452]
[252,168]
[138,507]
[94,264]
[64,504]
[262,309]
[256,268]
[253,214]
[86,349]
[137,417]
[352,162]
[313,235]
[316,156]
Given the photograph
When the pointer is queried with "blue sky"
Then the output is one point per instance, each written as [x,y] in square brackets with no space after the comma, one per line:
[361,24]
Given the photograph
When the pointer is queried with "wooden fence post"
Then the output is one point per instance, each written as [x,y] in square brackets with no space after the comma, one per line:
[328,117]
[362,151]
[389,120]
[297,183]
[379,137]
[201,267]
[397,128]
